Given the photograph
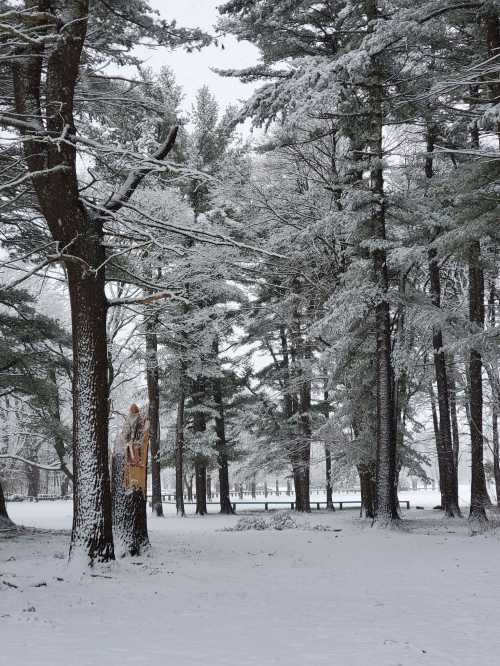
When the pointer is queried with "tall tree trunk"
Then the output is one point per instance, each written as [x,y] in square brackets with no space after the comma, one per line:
[492,369]
[328,478]
[152,377]
[476,317]
[452,386]
[302,457]
[447,473]
[437,435]
[92,523]
[386,495]
[222,458]
[328,455]
[298,453]
[179,451]
[200,463]
[301,373]
[448,477]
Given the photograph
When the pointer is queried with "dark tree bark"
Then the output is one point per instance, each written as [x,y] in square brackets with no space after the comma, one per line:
[5,521]
[328,478]
[188,481]
[200,463]
[386,510]
[447,471]
[448,479]
[452,385]
[222,457]
[200,480]
[492,369]
[299,407]
[152,377]
[476,317]
[179,453]
[328,456]
[368,490]
[437,434]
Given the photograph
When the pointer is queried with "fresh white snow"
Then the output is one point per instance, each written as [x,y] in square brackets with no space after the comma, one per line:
[426,594]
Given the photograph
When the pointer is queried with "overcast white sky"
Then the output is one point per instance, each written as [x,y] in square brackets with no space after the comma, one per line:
[193,69]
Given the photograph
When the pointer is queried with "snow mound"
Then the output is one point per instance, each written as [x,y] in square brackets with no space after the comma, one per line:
[278,521]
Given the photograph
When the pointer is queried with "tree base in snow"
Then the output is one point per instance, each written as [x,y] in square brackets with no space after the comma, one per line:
[129,513]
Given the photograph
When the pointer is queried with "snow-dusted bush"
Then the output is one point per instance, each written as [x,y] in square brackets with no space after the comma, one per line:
[250,523]
[278,521]
[282,521]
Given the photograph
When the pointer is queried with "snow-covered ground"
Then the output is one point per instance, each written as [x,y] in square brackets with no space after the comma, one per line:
[427,594]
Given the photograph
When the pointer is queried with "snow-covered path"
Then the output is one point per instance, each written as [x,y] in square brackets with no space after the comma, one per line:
[357,597]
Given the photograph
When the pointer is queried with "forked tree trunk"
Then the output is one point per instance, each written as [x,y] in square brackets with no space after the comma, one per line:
[476,317]
[448,480]
[386,510]
[448,476]
[152,377]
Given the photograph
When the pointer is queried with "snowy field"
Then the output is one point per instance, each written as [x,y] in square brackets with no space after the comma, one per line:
[333,591]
